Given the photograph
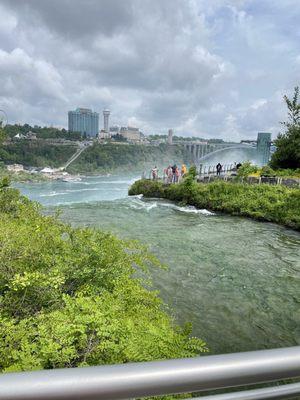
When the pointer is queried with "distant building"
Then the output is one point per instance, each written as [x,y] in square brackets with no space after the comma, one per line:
[83,120]
[106,114]
[131,134]
[104,135]
[31,135]
[170,136]
[263,147]
[114,130]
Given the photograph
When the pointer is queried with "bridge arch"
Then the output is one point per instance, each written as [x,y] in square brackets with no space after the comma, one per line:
[227,149]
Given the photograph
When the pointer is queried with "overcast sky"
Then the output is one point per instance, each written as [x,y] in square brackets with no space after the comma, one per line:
[210,68]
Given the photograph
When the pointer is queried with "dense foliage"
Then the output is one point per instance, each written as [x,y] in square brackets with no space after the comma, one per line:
[36,153]
[287,154]
[44,132]
[108,157]
[70,297]
[264,202]
[248,169]
[2,135]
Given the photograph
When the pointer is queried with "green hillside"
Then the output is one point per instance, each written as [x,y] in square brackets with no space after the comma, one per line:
[111,157]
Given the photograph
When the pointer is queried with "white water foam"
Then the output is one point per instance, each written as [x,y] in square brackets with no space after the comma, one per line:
[138,203]
[193,210]
[51,194]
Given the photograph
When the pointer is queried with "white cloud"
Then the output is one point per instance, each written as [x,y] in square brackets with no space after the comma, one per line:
[258,103]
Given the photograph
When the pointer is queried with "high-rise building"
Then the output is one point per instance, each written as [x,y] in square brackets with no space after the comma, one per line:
[83,120]
[263,147]
[170,136]
[106,114]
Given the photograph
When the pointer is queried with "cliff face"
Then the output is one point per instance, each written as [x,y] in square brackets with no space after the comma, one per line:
[136,158]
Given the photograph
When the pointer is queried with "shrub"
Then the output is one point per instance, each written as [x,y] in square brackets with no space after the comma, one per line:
[246,169]
[68,296]
[267,171]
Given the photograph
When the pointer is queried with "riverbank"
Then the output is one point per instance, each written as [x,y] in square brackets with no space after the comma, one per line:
[269,203]
[22,176]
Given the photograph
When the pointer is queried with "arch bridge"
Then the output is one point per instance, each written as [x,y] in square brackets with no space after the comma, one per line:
[201,150]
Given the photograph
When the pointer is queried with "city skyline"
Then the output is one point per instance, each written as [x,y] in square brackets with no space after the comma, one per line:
[207,70]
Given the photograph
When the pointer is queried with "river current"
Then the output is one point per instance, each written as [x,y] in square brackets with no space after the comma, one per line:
[236,280]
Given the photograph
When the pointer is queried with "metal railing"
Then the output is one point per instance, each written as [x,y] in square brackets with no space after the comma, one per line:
[136,380]
[208,169]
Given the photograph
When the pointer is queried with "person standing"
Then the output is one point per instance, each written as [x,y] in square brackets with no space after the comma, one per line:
[154,173]
[177,175]
[169,174]
[183,170]
[174,173]
[219,169]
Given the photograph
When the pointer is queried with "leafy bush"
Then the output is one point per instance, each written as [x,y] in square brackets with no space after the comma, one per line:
[68,297]
[246,169]
[192,171]
[267,171]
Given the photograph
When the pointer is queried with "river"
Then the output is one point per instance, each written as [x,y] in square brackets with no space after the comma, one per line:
[236,280]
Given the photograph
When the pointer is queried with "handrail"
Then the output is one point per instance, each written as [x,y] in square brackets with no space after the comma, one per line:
[153,378]
[290,391]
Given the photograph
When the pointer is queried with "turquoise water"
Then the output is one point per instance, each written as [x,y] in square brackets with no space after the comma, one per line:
[236,280]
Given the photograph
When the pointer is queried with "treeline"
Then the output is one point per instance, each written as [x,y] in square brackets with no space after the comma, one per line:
[35,154]
[262,202]
[109,157]
[41,132]
[184,138]
[69,297]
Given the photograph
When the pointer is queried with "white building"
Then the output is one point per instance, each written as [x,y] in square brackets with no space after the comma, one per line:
[104,135]
[131,134]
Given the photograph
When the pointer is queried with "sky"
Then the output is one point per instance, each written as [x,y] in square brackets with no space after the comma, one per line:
[207,68]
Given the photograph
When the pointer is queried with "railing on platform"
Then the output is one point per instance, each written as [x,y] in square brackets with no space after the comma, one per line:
[212,169]
[136,380]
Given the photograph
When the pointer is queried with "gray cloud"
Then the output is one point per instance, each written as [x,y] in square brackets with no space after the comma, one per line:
[75,19]
[212,69]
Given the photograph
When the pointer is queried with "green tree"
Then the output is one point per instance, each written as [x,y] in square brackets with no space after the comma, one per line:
[2,135]
[287,154]
[293,109]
